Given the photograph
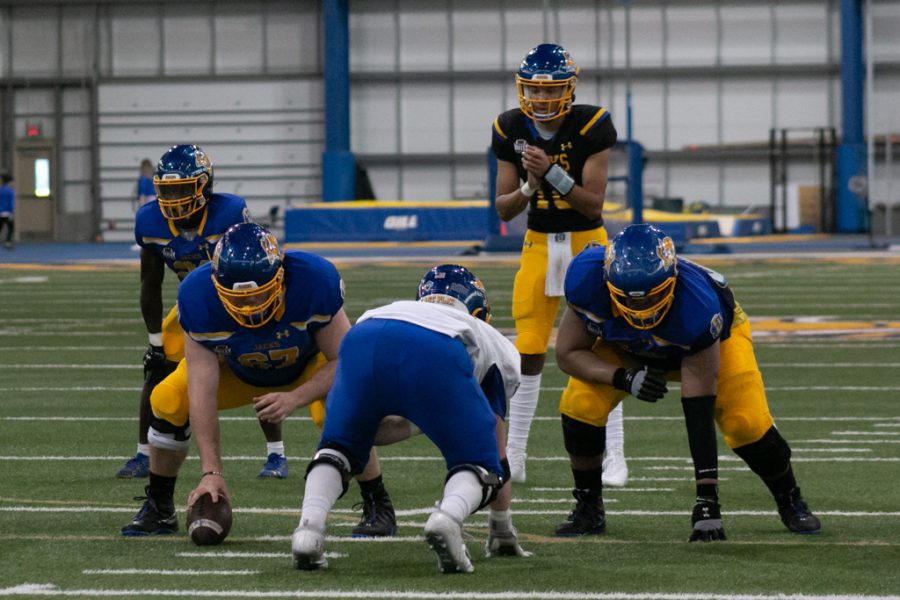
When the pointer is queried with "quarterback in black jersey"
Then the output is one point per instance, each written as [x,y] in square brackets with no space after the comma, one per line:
[561,152]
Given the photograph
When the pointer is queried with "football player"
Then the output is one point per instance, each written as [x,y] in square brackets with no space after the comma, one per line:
[560,151]
[261,327]
[386,361]
[178,231]
[637,318]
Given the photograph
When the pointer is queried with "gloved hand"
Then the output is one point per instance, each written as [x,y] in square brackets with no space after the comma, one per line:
[707,520]
[154,360]
[503,542]
[646,383]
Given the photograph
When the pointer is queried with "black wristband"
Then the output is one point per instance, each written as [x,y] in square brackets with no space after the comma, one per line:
[620,380]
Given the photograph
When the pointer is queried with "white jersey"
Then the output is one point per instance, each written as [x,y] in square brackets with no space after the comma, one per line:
[486,346]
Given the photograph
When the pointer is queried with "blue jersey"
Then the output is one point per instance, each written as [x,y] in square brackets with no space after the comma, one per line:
[185,251]
[702,311]
[276,353]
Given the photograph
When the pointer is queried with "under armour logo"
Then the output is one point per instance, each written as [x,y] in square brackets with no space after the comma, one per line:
[566,146]
[282,334]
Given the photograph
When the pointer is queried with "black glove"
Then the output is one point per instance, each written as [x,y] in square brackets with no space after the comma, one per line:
[646,383]
[154,360]
[707,520]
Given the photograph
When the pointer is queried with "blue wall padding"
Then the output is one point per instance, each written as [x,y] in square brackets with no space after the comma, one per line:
[391,221]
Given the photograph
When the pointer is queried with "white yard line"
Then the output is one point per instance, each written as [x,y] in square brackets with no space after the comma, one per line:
[47,589]
[167,572]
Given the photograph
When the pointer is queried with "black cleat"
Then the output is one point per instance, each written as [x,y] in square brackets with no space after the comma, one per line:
[150,520]
[378,519]
[795,514]
[588,518]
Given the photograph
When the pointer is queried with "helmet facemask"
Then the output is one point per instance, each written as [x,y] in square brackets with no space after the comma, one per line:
[543,98]
[250,304]
[179,197]
[644,311]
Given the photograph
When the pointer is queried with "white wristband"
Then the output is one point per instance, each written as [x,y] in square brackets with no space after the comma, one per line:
[527,190]
[155,339]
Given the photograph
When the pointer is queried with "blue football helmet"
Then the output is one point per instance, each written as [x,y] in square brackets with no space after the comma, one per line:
[546,82]
[248,274]
[183,181]
[641,268]
[456,286]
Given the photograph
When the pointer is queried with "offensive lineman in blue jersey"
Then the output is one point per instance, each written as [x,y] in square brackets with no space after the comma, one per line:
[178,231]
[261,327]
[387,370]
[638,317]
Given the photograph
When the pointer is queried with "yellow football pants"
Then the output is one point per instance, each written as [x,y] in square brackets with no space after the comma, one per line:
[169,399]
[534,311]
[742,412]
[173,336]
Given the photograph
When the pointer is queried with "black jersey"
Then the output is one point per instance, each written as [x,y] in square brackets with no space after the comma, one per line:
[586,130]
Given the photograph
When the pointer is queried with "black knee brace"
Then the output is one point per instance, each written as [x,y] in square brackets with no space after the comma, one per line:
[769,456]
[507,473]
[334,458]
[490,482]
[582,439]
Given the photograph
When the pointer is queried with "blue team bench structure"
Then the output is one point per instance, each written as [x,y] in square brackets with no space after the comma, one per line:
[463,221]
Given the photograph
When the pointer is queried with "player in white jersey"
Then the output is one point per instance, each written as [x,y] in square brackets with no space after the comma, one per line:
[387,365]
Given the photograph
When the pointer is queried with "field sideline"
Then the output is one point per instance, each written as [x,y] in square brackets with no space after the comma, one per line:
[827,336]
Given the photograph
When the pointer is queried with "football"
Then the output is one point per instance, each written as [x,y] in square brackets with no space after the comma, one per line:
[209,522]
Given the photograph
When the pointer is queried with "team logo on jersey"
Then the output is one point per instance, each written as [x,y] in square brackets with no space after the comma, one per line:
[169,253]
[715,325]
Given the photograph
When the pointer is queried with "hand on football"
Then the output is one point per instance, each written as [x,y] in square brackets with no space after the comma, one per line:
[647,383]
[214,485]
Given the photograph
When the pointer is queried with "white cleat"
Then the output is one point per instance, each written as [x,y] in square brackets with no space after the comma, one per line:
[516,460]
[308,547]
[444,535]
[615,469]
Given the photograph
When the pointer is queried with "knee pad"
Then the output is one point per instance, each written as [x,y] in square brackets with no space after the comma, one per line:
[333,458]
[769,456]
[174,439]
[530,343]
[490,482]
[582,439]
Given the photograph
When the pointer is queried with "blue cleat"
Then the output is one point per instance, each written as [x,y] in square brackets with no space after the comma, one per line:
[137,467]
[276,467]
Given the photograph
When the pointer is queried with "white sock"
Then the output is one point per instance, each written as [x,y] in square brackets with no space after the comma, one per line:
[521,411]
[276,447]
[144,449]
[462,495]
[323,487]
[615,431]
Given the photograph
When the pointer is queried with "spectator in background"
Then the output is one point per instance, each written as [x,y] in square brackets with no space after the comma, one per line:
[7,208]
[144,191]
